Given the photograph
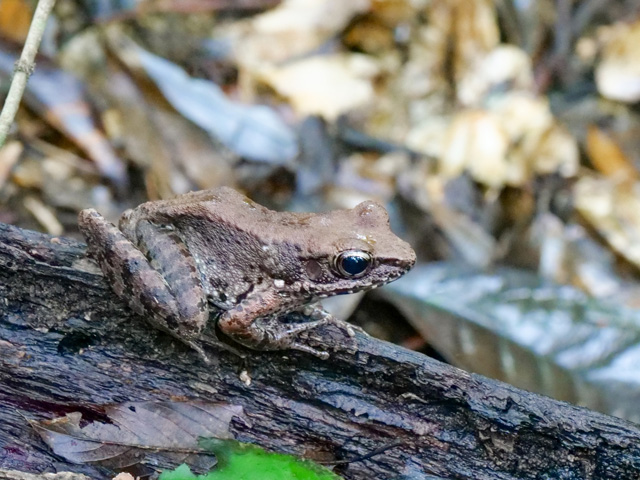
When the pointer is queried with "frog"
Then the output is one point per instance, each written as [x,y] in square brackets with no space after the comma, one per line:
[216,255]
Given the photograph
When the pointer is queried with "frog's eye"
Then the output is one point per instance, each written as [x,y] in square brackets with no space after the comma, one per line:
[352,263]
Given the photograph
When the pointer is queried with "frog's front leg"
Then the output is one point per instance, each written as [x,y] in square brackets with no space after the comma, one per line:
[166,291]
[316,312]
[254,323]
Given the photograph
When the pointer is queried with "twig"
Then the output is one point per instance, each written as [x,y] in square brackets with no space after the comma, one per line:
[24,66]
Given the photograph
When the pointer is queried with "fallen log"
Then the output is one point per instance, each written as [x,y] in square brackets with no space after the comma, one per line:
[68,344]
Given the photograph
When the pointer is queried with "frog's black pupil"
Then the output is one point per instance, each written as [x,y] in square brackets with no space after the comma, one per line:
[354,264]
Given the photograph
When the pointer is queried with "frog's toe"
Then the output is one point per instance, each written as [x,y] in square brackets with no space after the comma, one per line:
[316,312]
[346,326]
[198,348]
[212,340]
[306,348]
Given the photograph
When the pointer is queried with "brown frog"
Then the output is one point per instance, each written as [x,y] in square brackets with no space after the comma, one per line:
[178,261]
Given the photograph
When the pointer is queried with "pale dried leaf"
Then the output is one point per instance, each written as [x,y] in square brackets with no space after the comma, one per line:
[618,72]
[124,476]
[478,143]
[505,65]
[538,144]
[474,28]
[513,139]
[612,208]
[9,155]
[457,33]
[429,135]
[293,28]
[328,85]
[44,215]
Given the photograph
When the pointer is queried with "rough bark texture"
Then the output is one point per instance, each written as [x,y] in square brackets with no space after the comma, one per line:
[67,344]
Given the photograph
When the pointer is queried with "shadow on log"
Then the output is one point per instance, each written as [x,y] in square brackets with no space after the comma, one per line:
[68,344]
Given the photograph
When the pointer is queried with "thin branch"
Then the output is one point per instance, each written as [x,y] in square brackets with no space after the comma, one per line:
[24,66]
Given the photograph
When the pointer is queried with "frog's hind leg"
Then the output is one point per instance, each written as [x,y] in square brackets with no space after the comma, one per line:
[148,289]
[168,255]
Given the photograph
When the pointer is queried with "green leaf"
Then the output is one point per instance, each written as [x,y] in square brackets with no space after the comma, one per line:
[242,461]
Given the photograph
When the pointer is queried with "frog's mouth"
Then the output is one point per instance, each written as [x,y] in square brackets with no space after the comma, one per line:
[389,277]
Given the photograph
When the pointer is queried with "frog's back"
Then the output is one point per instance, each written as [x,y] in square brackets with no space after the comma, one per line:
[222,204]
[226,205]
[226,210]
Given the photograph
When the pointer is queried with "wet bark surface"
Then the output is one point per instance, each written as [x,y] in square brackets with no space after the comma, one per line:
[68,344]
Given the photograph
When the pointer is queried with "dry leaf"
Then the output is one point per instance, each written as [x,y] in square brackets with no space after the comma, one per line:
[504,65]
[60,98]
[476,141]
[44,215]
[9,155]
[255,132]
[328,85]
[135,430]
[15,18]
[618,73]
[606,155]
[612,207]
[512,325]
[293,28]
[458,34]
[508,143]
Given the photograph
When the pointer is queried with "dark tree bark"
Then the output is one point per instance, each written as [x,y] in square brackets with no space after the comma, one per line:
[68,344]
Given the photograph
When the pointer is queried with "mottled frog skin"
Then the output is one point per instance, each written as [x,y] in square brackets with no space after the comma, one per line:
[216,252]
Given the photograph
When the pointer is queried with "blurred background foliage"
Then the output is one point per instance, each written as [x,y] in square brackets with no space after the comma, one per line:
[502,135]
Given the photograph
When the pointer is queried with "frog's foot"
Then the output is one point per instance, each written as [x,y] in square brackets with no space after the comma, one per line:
[316,312]
[272,334]
[199,350]
[321,354]
[255,323]
[282,336]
